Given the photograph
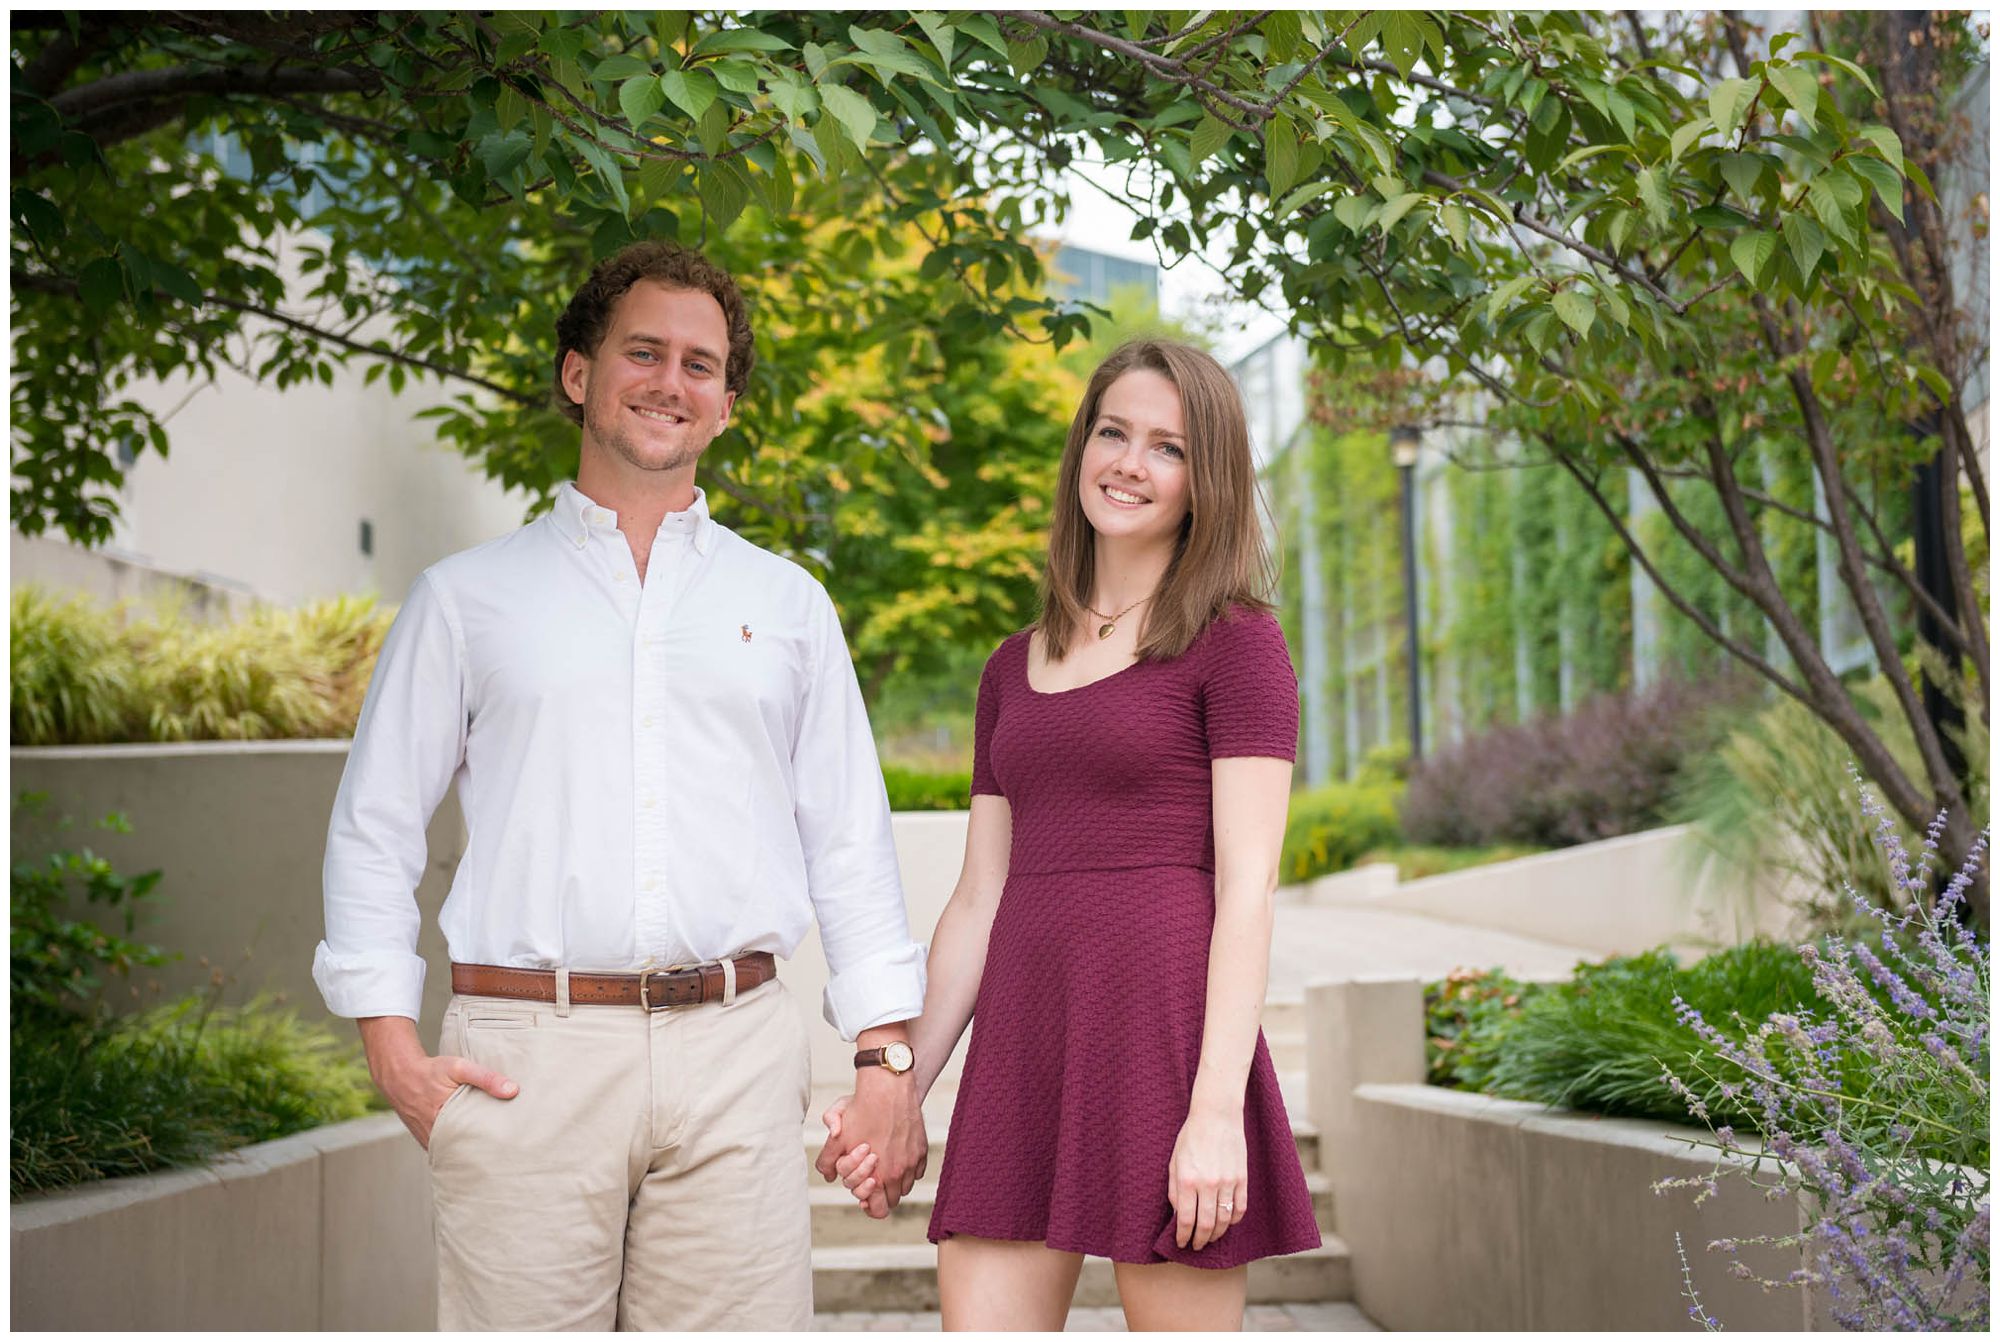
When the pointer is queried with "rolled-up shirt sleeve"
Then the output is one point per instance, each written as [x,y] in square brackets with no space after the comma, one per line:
[875,971]
[408,744]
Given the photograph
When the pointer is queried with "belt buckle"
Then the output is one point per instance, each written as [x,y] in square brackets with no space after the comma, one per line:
[665,976]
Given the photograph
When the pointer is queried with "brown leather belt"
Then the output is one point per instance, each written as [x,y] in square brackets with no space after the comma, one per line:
[654,989]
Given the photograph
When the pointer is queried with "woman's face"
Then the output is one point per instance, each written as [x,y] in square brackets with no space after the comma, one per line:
[1134,480]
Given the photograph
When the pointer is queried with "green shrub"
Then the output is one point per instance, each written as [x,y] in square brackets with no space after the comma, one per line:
[913,790]
[1329,827]
[82,673]
[56,962]
[1466,1015]
[1600,1041]
[96,1099]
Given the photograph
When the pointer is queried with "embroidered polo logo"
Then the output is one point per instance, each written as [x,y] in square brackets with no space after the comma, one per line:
[746,633]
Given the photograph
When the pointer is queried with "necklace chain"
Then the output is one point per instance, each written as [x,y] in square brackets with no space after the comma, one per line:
[1110,624]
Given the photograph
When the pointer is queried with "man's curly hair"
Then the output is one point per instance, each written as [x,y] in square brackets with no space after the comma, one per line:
[587,319]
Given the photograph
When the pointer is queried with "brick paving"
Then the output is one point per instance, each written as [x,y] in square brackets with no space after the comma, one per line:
[1331,1317]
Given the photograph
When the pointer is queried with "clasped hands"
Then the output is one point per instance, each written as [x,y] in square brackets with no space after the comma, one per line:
[875,1142]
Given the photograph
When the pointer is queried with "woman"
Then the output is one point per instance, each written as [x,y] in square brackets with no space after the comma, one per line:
[1111,927]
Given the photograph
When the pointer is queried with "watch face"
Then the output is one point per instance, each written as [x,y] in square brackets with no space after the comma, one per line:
[899,1057]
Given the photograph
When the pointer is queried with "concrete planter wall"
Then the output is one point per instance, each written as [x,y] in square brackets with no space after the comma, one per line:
[239,831]
[1614,897]
[1466,1212]
[329,1229]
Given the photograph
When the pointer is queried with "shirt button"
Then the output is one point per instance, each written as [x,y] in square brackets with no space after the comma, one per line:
[646,721]
[647,803]
[652,883]
[623,578]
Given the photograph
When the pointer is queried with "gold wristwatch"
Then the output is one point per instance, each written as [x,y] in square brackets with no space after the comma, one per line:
[897,1057]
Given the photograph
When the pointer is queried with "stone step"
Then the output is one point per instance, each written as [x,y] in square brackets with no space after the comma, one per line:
[904,1277]
[839,1222]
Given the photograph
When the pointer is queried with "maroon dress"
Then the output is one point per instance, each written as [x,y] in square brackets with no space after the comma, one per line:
[1087,1030]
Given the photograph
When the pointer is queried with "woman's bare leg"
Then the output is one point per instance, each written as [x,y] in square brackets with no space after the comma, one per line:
[1176,1298]
[1006,1285]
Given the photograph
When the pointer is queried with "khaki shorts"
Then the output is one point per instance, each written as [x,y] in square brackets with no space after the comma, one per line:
[648,1175]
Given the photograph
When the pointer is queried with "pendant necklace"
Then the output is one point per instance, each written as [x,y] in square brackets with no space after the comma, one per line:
[1110,624]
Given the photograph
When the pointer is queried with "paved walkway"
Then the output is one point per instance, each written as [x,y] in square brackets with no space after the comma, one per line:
[1335,1317]
[1324,941]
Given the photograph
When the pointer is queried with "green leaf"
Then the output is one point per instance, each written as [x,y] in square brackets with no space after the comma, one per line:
[639,97]
[723,193]
[1281,154]
[1625,112]
[1799,88]
[39,215]
[727,40]
[620,67]
[1310,191]
[1842,63]
[736,76]
[1506,294]
[102,284]
[1886,142]
[1807,243]
[1576,310]
[942,35]
[1728,100]
[1354,211]
[693,91]
[1718,216]
[854,112]
[656,175]
[1752,253]
[1456,222]
[1743,172]
[177,282]
[501,154]
[1393,212]
[714,128]
[1208,137]
[1888,183]
[1935,380]
[608,174]
[1653,195]
[982,29]
[1686,136]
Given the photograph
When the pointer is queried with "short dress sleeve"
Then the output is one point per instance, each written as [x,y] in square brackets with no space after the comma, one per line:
[1250,694]
[984,718]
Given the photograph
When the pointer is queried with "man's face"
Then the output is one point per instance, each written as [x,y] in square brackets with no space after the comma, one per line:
[653,396]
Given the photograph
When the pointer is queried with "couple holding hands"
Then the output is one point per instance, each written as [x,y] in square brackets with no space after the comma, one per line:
[667,775]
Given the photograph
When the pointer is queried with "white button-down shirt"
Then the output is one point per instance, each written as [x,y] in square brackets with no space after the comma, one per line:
[652,774]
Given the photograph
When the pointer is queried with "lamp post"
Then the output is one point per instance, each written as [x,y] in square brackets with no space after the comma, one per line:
[1403,445]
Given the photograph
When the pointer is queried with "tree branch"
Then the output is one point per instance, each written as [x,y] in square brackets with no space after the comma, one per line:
[56,284]
[183,81]
[1680,603]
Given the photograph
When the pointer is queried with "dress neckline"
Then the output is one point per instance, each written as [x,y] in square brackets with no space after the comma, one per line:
[1027,651]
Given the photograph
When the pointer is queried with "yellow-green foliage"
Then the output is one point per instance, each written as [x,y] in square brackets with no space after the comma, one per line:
[1331,826]
[70,672]
[84,673]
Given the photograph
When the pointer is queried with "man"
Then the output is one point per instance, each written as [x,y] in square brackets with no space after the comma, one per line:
[666,772]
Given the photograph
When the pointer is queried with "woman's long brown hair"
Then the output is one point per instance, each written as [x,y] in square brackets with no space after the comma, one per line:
[1221,558]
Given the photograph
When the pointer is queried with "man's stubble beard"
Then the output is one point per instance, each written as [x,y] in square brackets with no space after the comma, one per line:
[621,445]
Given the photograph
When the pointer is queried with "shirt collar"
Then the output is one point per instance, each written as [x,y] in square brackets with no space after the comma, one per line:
[576,516]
